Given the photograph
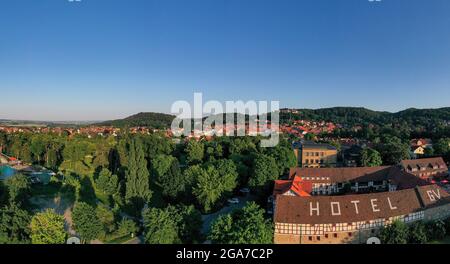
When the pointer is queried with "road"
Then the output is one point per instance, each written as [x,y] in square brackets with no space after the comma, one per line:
[209,219]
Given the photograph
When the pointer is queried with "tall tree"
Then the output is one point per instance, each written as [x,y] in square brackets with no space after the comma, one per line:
[284,158]
[18,188]
[137,176]
[107,183]
[195,152]
[86,222]
[160,227]
[228,174]
[265,171]
[166,170]
[14,225]
[48,228]
[208,189]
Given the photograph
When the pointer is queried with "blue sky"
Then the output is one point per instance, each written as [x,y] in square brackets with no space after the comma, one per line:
[105,59]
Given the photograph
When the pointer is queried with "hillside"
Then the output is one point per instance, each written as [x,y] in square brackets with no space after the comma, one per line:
[153,120]
[346,116]
[357,115]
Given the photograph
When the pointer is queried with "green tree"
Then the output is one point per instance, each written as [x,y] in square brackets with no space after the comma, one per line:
[393,150]
[370,158]
[107,183]
[127,227]
[14,225]
[436,230]
[228,174]
[166,170]
[442,147]
[189,223]
[284,157]
[86,222]
[160,227]
[18,188]
[208,189]
[195,152]
[396,233]
[428,152]
[417,233]
[137,177]
[243,226]
[265,171]
[106,217]
[48,228]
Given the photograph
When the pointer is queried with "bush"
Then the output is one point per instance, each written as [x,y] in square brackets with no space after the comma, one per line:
[447,226]
[417,233]
[436,230]
[396,233]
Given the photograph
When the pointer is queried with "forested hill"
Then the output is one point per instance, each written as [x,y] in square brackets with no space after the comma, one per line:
[347,116]
[356,115]
[153,120]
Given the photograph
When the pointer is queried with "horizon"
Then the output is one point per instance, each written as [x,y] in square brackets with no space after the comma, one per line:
[146,112]
[106,60]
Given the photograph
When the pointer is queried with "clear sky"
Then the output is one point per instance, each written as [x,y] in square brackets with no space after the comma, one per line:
[106,59]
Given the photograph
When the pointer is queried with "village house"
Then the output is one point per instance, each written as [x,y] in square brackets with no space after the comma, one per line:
[428,169]
[316,155]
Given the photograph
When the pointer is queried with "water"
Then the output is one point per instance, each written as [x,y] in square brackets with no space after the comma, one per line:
[6,172]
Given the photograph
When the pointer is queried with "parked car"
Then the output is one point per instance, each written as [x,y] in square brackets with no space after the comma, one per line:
[245,190]
[233,201]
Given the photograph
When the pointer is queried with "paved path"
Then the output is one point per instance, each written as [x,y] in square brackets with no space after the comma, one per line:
[135,241]
[209,219]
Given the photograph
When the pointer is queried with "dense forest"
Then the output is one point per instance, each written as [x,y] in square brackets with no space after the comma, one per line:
[407,124]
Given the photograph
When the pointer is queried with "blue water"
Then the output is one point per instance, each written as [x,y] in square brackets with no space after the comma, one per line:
[6,172]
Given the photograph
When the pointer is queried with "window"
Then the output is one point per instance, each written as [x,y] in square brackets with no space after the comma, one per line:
[350,234]
[326,235]
[310,238]
[318,238]
[335,235]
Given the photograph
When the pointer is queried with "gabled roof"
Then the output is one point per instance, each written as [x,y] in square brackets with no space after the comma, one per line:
[336,175]
[428,163]
[297,210]
[297,186]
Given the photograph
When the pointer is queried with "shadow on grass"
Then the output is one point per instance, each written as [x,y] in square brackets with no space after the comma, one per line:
[87,192]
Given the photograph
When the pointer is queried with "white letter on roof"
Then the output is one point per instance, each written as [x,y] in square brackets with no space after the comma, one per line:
[356,206]
[333,212]
[374,206]
[313,209]
[390,204]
